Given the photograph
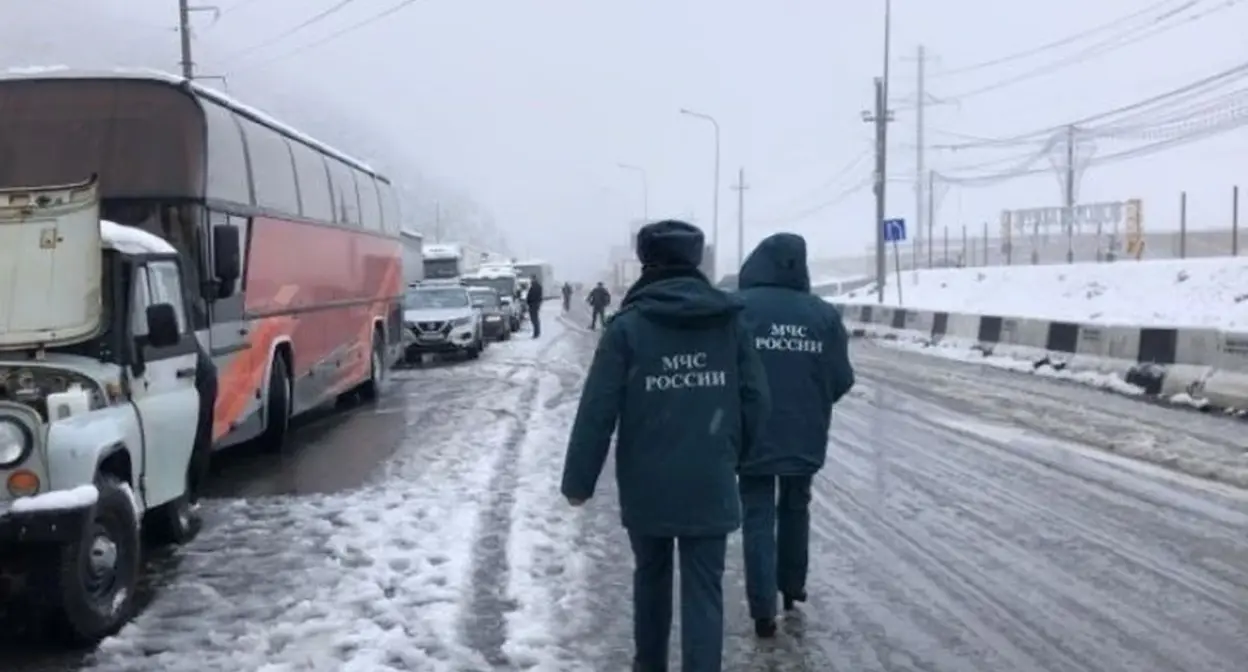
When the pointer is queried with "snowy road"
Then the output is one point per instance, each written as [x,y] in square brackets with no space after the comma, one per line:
[957,528]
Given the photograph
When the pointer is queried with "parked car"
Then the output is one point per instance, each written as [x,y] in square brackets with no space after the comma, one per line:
[442,321]
[494,317]
[515,312]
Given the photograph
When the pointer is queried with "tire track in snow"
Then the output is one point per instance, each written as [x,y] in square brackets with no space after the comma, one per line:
[484,623]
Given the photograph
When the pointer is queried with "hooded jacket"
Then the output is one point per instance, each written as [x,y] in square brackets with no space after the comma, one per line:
[805,350]
[676,372]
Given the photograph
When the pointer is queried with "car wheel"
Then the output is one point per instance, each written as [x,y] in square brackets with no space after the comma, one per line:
[97,575]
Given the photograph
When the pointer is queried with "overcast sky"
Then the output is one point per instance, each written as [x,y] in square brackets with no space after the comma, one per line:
[527,106]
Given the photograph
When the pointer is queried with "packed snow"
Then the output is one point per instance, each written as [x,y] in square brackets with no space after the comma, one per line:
[1202,293]
[58,500]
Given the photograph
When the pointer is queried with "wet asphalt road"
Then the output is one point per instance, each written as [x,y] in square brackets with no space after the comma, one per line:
[969,520]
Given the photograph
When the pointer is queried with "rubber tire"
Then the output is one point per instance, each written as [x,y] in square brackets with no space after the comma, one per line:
[73,614]
[279,400]
[372,388]
[474,352]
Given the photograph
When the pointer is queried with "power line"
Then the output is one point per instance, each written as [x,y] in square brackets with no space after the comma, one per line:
[335,35]
[310,21]
[1156,27]
[1049,46]
[1198,87]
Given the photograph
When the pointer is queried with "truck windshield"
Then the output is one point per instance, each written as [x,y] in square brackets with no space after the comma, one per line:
[440,269]
[436,298]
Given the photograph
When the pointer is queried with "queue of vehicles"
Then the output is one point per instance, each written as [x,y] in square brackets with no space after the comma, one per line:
[222,239]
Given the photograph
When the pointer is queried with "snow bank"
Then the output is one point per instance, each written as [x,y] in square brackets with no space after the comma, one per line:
[61,500]
[1208,293]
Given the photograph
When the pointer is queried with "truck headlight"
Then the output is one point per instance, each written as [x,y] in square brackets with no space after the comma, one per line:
[15,443]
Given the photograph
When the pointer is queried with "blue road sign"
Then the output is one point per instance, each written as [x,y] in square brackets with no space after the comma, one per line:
[894,230]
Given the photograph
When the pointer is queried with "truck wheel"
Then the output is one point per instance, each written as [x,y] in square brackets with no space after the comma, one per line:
[97,575]
[371,389]
[277,412]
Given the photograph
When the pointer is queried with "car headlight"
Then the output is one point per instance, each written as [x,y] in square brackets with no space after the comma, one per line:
[15,443]
[461,321]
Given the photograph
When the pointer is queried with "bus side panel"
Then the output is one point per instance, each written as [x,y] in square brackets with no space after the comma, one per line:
[331,284]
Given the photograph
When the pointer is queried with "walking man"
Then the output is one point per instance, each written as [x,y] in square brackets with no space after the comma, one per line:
[599,298]
[567,297]
[676,371]
[805,351]
[534,301]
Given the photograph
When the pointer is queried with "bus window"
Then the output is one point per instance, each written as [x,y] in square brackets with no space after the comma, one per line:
[370,206]
[391,218]
[313,183]
[227,160]
[272,168]
[346,197]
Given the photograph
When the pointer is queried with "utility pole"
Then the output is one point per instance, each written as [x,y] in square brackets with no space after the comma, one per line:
[740,188]
[184,30]
[881,118]
[1068,205]
[920,149]
[437,221]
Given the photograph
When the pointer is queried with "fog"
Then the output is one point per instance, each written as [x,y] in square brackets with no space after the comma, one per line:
[510,117]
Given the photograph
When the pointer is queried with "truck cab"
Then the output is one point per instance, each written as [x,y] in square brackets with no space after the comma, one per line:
[98,405]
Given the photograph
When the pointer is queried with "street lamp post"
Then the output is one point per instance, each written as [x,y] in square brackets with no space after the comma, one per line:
[715,202]
[645,188]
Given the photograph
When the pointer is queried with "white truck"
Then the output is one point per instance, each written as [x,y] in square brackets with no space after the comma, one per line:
[542,272]
[413,257]
[443,261]
[98,404]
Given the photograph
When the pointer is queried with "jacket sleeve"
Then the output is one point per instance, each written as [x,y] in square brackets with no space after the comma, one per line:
[836,356]
[597,415]
[755,394]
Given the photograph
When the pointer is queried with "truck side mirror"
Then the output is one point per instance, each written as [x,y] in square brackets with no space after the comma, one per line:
[162,326]
[227,256]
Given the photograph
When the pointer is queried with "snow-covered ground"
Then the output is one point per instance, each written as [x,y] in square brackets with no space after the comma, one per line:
[1210,293]
[420,570]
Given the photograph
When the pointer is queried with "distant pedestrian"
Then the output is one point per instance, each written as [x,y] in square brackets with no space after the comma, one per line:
[567,297]
[805,349]
[534,301]
[676,372]
[599,298]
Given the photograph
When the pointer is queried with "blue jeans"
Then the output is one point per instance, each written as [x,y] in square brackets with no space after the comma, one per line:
[776,537]
[701,601]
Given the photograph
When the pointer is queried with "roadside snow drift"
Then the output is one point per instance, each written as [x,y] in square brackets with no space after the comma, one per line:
[1209,293]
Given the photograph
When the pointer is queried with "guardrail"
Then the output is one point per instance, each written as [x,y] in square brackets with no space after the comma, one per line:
[1209,365]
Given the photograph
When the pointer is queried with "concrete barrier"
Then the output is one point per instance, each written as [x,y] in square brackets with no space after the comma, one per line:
[1207,366]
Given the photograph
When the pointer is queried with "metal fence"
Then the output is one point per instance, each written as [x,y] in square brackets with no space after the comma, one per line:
[1167,233]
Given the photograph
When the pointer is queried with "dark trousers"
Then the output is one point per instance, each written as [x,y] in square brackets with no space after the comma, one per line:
[599,316]
[776,537]
[535,318]
[201,454]
[701,601]
[567,303]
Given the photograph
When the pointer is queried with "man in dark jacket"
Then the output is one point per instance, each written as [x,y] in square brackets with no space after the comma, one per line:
[676,371]
[534,300]
[805,349]
[599,298]
[567,297]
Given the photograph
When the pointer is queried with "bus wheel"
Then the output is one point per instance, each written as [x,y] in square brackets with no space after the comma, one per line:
[277,411]
[371,389]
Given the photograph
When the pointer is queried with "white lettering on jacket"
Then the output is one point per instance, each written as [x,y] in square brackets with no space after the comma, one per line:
[788,338]
[685,371]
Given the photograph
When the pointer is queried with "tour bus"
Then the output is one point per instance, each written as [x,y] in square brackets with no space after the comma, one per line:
[317,310]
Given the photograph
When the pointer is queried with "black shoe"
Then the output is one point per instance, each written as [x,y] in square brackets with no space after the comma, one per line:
[765,628]
[790,599]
